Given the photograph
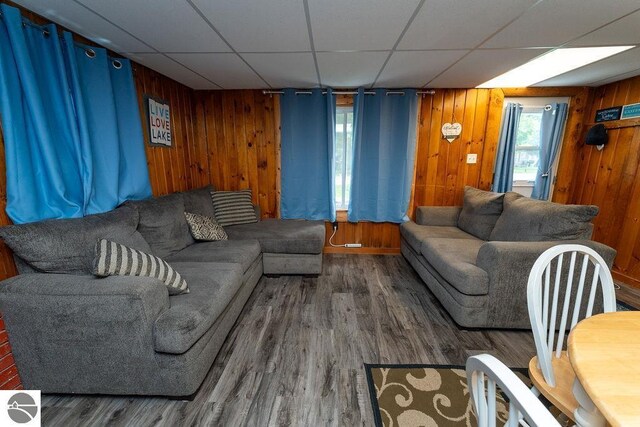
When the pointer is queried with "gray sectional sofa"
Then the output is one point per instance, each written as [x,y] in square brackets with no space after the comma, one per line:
[476,258]
[72,332]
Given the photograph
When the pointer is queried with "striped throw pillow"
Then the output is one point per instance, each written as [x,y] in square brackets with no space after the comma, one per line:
[233,207]
[114,259]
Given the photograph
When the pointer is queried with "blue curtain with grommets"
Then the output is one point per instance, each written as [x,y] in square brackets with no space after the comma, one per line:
[551,131]
[71,125]
[505,158]
[384,136]
[307,121]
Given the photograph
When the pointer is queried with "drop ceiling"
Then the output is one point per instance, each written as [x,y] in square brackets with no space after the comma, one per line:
[234,44]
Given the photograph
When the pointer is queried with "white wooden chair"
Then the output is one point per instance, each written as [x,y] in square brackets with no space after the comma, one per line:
[484,373]
[552,319]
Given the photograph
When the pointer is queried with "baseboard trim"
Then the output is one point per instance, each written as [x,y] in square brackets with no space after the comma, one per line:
[627,280]
[361,251]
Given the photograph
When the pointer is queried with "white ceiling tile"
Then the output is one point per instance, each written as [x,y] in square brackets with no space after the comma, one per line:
[438,24]
[225,69]
[350,69]
[620,64]
[259,26]
[554,22]
[623,32]
[358,24]
[79,19]
[284,69]
[167,25]
[608,80]
[170,68]
[482,65]
[415,69]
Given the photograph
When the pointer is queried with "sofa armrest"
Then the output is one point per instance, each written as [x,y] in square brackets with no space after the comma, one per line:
[258,212]
[438,215]
[49,317]
[508,265]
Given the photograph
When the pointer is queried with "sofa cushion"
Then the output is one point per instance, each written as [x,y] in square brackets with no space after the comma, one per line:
[213,286]
[163,225]
[233,207]
[204,227]
[114,259]
[414,234]
[455,260]
[199,201]
[529,220]
[67,245]
[480,211]
[291,236]
[243,252]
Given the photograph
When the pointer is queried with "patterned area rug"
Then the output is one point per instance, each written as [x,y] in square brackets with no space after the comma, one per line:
[425,395]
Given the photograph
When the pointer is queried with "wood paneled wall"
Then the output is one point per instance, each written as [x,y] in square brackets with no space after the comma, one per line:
[610,179]
[241,133]
[184,165]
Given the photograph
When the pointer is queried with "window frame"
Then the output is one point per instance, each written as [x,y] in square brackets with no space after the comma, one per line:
[343,109]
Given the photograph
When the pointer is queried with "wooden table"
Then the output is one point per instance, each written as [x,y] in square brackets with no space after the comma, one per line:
[604,351]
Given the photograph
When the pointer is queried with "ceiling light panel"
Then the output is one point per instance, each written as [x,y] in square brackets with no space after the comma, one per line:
[551,64]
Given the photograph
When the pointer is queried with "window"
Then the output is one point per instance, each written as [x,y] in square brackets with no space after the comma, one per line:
[528,142]
[343,156]
[527,152]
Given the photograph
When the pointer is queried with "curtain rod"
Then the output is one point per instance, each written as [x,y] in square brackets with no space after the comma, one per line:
[348,92]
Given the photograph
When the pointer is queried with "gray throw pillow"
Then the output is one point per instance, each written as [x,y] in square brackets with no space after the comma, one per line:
[233,207]
[480,212]
[114,259]
[199,201]
[205,228]
[66,245]
[163,225]
[530,220]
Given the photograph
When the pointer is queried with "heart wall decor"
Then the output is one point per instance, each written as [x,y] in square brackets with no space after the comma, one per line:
[451,131]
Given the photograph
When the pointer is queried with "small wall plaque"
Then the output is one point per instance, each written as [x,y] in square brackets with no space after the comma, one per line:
[158,121]
[630,111]
[451,131]
[608,114]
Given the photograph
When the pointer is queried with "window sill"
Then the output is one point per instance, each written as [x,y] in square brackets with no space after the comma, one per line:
[341,215]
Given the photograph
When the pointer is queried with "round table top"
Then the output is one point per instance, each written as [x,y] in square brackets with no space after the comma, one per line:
[604,351]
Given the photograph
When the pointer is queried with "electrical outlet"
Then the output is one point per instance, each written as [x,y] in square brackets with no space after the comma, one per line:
[472,159]
[335,225]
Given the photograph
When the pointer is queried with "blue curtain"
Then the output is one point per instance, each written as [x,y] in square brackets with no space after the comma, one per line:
[308,140]
[551,131]
[68,121]
[384,139]
[505,159]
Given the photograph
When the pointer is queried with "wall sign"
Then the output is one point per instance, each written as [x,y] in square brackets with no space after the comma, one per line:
[158,121]
[608,114]
[630,111]
[451,131]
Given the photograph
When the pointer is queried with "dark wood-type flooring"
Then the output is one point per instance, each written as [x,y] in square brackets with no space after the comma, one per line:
[295,356]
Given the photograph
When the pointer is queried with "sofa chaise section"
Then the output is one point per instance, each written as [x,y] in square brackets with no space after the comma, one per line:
[288,246]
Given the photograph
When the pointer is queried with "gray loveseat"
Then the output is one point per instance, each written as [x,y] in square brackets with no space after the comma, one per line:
[476,259]
[74,333]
